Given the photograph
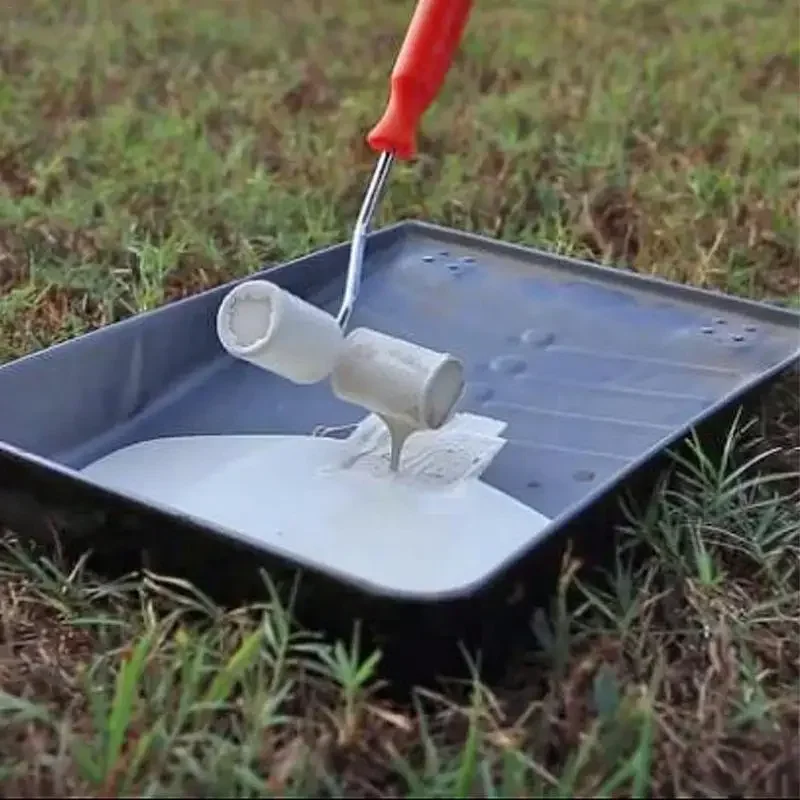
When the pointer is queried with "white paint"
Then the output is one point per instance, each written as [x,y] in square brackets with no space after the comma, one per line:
[271,328]
[400,532]
[460,449]
[408,386]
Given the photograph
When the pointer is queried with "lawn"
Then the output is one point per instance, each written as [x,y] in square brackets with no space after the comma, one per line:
[151,149]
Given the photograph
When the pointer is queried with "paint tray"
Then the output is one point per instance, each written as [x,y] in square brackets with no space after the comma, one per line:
[593,371]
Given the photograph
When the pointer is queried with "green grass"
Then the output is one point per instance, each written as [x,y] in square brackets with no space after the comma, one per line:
[150,149]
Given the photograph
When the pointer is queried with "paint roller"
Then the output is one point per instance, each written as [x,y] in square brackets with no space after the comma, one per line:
[409,386]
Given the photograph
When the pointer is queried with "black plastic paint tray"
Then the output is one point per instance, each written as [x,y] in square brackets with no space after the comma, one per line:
[594,370]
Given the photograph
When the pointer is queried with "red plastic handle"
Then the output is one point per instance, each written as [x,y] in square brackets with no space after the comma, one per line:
[419,72]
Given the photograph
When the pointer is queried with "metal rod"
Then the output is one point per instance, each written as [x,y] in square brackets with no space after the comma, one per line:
[359,243]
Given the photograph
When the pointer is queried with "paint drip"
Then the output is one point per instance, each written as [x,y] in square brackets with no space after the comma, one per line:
[409,387]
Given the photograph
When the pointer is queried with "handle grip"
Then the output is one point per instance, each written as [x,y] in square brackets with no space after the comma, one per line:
[419,72]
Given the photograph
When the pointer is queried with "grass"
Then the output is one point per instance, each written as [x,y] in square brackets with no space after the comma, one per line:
[150,149]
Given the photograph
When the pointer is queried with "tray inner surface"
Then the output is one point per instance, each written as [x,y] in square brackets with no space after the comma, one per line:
[590,373]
